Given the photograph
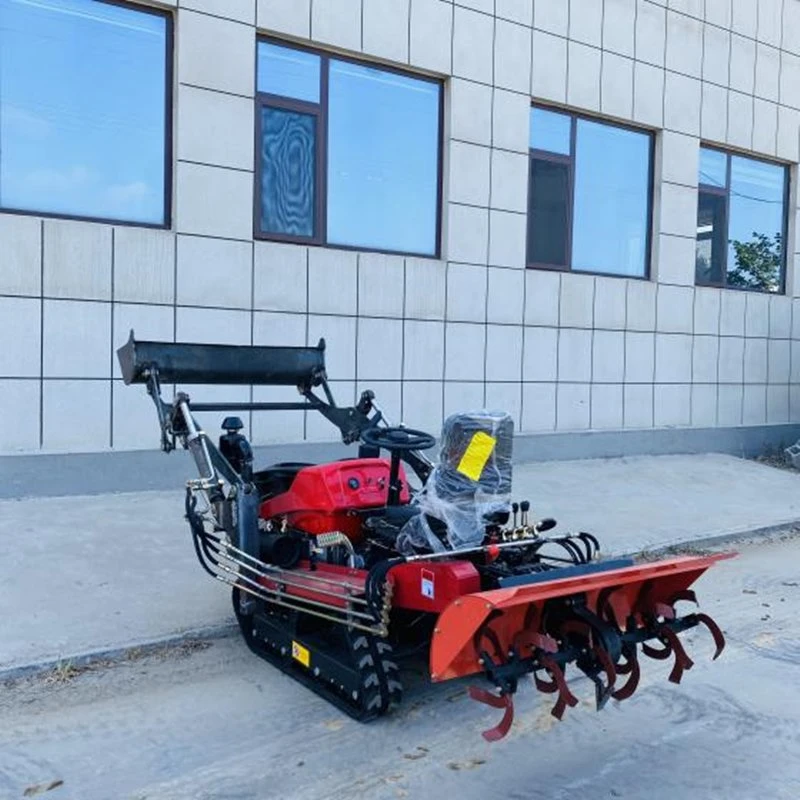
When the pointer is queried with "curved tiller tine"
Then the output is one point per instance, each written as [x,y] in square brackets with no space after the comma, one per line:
[603,693]
[664,610]
[682,660]
[653,652]
[528,640]
[530,637]
[495,701]
[719,638]
[684,594]
[485,633]
[631,666]
[565,696]
[547,687]
[605,608]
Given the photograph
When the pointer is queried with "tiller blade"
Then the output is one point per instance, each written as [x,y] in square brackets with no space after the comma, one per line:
[558,684]
[719,639]
[595,621]
[495,701]
[630,667]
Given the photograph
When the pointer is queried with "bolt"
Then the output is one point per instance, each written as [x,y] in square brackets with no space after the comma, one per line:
[316,672]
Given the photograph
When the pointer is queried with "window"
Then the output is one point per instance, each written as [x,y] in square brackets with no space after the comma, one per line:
[347,154]
[589,195]
[741,222]
[84,110]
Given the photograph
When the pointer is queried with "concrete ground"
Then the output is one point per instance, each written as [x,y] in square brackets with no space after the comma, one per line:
[220,723]
[81,574]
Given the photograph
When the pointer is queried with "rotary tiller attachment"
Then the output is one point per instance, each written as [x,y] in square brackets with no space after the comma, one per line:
[596,622]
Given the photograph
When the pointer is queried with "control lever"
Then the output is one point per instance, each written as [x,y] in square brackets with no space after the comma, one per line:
[515,509]
[524,506]
[365,402]
[545,525]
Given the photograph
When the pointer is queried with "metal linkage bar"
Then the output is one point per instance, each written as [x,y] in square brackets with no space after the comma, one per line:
[229,564]
[278,575]
[254,407]
[344,616]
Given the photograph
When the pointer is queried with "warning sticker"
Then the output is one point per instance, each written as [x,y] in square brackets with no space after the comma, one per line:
[427,588]
[301,654]
[476,455]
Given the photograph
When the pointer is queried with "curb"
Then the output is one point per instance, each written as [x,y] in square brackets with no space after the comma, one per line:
[761,535]
[114,655]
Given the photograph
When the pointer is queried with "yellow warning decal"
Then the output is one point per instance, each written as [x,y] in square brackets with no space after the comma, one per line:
[476,455]
[301,654]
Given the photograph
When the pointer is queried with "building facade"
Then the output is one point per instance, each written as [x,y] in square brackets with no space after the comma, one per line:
[581,211]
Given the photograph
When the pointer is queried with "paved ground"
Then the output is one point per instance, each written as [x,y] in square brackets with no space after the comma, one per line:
[79,574]
[219,723]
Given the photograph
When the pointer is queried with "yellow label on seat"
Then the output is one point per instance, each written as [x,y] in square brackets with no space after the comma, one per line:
[476,455]
[301,654]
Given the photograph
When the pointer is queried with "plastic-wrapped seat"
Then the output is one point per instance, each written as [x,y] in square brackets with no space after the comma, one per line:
[468,488]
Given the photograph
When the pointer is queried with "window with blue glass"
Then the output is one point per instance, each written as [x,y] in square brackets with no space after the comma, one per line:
[84,110]
[741,222]
[589,195]
[348,154]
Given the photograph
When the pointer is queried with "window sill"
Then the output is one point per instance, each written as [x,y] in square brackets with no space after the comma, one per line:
[19,212]
[593,273]
[780,293]
[298,240]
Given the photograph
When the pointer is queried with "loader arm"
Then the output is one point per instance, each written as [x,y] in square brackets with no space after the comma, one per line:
[154,363]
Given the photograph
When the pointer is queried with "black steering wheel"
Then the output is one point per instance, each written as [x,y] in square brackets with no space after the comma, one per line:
[398,440]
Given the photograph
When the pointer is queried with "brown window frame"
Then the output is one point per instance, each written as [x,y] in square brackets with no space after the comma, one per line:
[725,192]
[320,110]
[169,73]
[560,158]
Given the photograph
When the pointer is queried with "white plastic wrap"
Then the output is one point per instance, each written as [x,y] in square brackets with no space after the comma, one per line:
[471,482]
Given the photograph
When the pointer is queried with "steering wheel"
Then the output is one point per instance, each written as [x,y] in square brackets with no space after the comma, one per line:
[398,440]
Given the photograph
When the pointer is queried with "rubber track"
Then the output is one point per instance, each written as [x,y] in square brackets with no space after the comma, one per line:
[378,673]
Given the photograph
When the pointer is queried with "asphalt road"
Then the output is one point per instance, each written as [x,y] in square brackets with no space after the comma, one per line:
[216,722]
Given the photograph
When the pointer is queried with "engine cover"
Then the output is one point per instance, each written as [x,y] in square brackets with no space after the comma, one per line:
[327,497]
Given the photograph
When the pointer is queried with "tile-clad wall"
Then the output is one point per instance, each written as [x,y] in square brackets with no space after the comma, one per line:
[560,351]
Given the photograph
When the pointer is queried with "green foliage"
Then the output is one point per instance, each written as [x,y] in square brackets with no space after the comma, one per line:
[758,263]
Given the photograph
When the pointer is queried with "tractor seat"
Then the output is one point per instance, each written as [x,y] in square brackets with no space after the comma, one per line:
[397,516]
[276,479]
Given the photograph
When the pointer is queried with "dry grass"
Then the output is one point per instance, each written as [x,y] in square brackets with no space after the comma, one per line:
[775,457]
[66,671]
[62,673]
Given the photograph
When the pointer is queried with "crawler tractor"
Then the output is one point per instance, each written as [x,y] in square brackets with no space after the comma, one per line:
[340,570]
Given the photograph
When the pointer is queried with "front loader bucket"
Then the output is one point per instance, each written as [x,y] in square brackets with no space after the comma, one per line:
[595,617]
